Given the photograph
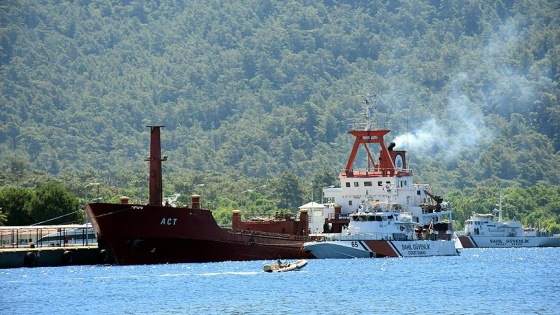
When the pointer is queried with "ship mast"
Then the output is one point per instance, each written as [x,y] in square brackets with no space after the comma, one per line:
[156,190]
[500,209]
[368,136]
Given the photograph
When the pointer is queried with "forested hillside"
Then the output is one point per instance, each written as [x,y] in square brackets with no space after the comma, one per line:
[257,90]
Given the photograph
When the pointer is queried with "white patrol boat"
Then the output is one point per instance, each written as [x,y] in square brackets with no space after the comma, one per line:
[378,211]
[483,230]
[381,234]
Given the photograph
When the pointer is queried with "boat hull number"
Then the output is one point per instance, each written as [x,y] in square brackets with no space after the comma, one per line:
[168,221]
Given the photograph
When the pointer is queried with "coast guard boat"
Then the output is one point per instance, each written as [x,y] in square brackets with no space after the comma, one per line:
[483,230]
[379,211]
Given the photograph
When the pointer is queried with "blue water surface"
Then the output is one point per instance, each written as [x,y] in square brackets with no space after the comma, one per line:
[480,281]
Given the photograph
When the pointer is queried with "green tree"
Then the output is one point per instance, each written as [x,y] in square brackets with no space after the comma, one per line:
[288,190]
[3,217]
[15,204]
[53,204]
[16,170]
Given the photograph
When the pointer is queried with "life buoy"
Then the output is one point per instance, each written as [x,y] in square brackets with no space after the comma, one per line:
[30,259]
[402,228]
[67,257]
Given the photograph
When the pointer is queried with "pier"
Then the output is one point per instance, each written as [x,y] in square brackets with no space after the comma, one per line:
[50,246]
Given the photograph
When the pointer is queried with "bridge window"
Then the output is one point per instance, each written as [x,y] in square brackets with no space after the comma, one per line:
[356,184]
[347,184]
[368,183]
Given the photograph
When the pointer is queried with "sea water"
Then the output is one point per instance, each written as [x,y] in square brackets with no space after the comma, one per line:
[480,281]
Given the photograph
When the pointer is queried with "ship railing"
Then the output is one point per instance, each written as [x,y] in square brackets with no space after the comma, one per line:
[382,236]
[338,216]
[46,236]
[243,235]
[367,236]
[376,170]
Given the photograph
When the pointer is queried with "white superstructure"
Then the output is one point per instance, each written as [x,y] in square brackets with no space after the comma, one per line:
[379,210]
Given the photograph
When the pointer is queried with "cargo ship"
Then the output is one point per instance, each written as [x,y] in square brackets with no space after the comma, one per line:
[157,233]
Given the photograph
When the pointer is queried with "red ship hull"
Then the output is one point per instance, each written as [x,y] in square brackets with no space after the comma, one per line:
[145,234]
[155,234]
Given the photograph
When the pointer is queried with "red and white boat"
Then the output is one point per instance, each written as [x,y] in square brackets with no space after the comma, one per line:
[379,211]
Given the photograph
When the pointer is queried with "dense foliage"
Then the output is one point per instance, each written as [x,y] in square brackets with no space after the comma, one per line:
[49,204]
[259,92]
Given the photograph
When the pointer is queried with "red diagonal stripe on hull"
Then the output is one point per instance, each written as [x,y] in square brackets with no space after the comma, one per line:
[382,248]
[466,242]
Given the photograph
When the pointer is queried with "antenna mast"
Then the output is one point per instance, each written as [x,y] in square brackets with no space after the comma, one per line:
[369,112]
